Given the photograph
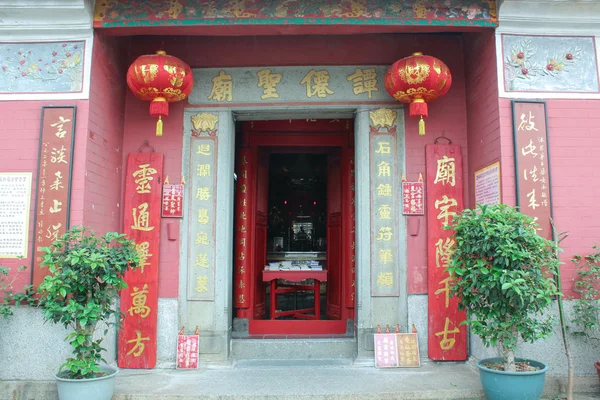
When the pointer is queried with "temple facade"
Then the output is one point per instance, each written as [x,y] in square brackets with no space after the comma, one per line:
[291,205]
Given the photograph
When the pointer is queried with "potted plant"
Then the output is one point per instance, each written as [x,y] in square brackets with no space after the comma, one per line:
[81,292]
[503,271]
[586,310]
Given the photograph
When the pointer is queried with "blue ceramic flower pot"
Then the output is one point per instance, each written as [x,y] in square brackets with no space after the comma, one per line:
[503,385]
[88,389]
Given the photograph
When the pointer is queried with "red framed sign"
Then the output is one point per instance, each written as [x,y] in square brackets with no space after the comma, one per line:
[447,339]
[532,163]
[172,201]
[188,350]
[53,184]
[413,197]
[141,222]
[397,350]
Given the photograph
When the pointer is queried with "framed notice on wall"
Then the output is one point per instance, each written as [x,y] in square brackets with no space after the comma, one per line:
[487,185]
[532,162]
[15,200]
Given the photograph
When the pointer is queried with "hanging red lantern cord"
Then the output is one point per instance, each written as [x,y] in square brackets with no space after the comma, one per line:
[418,80]
[161,79]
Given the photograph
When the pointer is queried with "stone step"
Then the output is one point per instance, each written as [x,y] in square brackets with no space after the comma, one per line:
[297,349]
[432,381]
[314,363]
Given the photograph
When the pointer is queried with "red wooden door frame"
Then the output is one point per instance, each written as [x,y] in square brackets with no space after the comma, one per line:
[309,137]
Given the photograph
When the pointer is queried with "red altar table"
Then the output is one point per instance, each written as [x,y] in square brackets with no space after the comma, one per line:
[296,276]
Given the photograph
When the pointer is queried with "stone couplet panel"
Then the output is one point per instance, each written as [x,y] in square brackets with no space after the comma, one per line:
[202,215]
[384,179]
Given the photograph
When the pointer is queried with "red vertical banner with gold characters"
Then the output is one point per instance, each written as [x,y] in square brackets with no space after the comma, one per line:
[532,163]
[242,258]
[350,236]
[447,338]
[53,190]
[141,222]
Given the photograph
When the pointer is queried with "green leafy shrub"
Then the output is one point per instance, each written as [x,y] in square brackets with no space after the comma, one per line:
[7,295]
[86,274]
[586,309]
[503,270]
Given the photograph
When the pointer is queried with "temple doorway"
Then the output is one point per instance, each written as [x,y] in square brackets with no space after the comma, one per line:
[295,226]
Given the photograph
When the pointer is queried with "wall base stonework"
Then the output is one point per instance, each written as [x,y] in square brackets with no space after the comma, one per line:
[34,349]
[166,346]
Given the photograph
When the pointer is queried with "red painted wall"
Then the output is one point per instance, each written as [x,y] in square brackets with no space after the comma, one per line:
[104,150]
[483,121]
[574,148]
[20,138]
[96,176]
[448,115]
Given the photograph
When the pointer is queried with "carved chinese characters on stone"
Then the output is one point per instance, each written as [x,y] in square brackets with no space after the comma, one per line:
[364,81]
[268,81]
[203,174]
[222,88]
[276,84]
[384,187]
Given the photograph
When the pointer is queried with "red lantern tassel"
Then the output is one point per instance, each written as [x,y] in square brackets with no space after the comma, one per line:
[159,108]
[418,108]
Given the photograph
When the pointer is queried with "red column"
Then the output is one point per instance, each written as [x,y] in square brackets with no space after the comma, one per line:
[242,281]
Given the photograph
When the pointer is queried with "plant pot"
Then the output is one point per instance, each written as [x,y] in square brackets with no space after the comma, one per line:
[89,389]
[503,385]
[597,365]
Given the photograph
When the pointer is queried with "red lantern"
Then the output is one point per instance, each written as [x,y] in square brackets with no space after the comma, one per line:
[417,80]
[161,79]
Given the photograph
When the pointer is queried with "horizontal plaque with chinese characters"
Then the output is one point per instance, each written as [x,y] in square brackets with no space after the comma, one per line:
[53,189]
[203,181]
[172,201]
[15,199]
[532,164]
[141,222]
[289,84]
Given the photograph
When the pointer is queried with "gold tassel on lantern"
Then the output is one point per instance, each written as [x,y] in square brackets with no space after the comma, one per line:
[159,126]
[421,126]
[159,108]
